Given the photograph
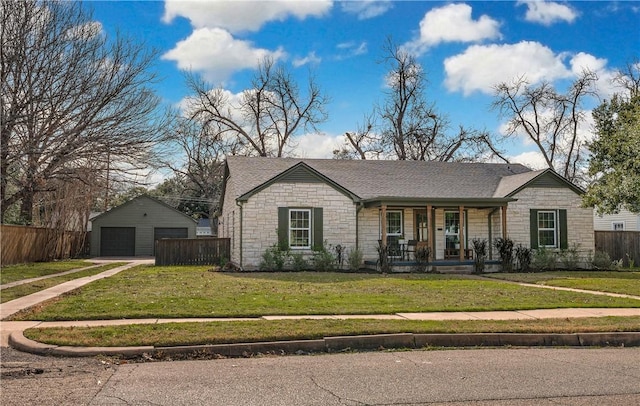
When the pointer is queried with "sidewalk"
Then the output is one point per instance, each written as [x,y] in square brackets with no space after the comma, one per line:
[14,329]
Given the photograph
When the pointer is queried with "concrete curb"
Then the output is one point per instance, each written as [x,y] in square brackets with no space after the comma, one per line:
[18,341]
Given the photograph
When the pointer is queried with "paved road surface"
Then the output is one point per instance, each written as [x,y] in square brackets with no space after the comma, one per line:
[455,377]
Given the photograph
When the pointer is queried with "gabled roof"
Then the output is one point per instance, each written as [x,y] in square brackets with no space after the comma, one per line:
[511,185]
[370,180]
[154,200]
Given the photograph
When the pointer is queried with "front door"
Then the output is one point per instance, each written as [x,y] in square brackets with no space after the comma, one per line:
[421,231]
[452,234]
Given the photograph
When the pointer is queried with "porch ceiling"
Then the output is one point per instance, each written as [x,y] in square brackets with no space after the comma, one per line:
[436,202]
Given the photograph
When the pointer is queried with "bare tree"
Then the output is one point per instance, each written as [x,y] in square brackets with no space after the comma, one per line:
[202,171]
[71,99]
[263,120]
[551,120]
[406,126]
[628,78]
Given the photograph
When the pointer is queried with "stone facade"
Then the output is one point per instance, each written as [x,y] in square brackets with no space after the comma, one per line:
[579,219]
[252,227]
[260,219]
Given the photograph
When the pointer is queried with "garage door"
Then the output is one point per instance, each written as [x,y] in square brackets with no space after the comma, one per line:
[117,241]
[168,232]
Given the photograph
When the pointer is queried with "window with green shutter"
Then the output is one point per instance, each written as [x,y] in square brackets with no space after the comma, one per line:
[549,229]
[299,228]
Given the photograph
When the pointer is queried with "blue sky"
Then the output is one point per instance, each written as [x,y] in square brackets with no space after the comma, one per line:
[465,48]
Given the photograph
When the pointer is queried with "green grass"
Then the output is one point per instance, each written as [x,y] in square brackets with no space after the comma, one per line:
[12,273]
[173,334]
[626,282]
[33,287]
[166,292]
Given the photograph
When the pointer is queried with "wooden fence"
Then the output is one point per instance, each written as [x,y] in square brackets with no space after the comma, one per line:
[192,251]
[619,245]
[22,244]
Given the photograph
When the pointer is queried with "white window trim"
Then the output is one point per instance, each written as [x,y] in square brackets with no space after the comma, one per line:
[309,229]
[554,229]
[614,223]
[383,223]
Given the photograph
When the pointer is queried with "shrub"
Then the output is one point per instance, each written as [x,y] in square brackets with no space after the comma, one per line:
[298,263]
[570,257]
[274,258]
[480,251]
[383,258]
[544,260]
[601,260]
[323,259]
[422,255]
[355,259]
[523,258]
[505,251]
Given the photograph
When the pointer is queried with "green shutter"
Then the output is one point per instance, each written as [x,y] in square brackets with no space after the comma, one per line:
[318,239]
[564,238]
[283,228]
[534,228]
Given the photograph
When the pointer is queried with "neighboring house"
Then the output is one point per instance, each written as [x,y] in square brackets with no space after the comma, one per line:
[204,228]
[132,228]
[357,203]
[623,221]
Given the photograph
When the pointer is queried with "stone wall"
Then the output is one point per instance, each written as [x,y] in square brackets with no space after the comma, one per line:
[260,217]
[579,220]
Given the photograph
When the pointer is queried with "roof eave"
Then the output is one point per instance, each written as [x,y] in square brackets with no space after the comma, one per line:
[397,201]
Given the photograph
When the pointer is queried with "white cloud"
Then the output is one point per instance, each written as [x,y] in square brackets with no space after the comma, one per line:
[480,67]
[605,86]
[548,12]
[366,9]
[311,58]
[453,23]
[352,48]
[237,16]
[532,159]
[317,145]
[216,54]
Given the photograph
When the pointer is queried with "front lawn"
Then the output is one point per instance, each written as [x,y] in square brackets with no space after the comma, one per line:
[12,273]
[174,334]
[33,287]
[168,292]
[624,282]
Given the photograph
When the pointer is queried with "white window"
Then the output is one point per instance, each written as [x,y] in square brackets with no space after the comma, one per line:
[393,223]
[300,228]
[617,226]
[547,229]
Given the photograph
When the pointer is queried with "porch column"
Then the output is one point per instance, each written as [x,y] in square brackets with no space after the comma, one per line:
[383,214]
[461,232]
[430,236]
[504,222]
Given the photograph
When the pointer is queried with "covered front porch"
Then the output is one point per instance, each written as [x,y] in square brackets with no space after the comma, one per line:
[446,228]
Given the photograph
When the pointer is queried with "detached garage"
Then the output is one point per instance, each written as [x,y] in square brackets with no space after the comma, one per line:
[132,228]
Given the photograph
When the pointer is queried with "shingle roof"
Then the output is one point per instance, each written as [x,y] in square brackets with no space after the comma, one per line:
[508,184]
[402,179]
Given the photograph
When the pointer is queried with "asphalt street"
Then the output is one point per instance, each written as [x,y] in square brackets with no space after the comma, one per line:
[532,376]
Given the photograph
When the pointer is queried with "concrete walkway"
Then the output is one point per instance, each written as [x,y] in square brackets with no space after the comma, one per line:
[10,327]
[39,278]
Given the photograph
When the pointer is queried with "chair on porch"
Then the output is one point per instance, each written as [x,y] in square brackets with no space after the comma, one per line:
[410,251]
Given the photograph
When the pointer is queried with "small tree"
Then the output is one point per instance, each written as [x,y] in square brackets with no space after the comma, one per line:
[505,251]
[480,251]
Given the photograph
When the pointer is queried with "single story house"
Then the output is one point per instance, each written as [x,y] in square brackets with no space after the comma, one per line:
[621,221]
[204,228]
[305,203]
[132,228]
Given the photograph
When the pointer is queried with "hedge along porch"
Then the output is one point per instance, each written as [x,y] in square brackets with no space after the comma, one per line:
[303,203]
